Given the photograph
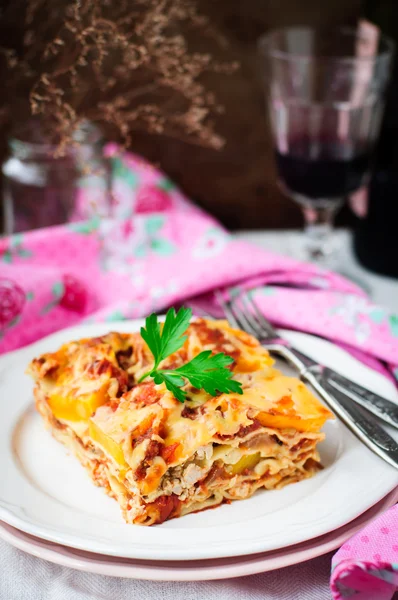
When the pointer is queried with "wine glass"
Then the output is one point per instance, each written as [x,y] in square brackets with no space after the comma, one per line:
[325,93]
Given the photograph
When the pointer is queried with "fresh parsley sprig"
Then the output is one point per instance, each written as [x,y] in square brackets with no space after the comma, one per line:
[206,371]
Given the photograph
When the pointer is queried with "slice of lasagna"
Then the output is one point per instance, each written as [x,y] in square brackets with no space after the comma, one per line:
[160,458]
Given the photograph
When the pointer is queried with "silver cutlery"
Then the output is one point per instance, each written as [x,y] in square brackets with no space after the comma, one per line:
[381,407]
[360,422]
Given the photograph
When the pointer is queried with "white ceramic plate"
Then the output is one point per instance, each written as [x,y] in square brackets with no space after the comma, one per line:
[192,570]
[46,493]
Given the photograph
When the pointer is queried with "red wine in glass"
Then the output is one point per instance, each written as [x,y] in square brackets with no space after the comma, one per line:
[325,90]
[323,170]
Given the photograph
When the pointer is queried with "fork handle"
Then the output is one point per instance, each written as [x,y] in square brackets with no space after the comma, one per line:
[379,406]
[300,361]
[360,423]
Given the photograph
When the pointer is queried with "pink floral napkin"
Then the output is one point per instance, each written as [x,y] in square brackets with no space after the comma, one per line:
[158,250]
[366,567]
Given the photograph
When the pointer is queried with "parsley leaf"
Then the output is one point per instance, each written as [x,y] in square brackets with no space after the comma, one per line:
[206,371]
[164,342]
[174,327]
[172,382]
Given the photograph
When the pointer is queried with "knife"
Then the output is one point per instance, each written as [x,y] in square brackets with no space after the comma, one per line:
[379,406]
[362,424]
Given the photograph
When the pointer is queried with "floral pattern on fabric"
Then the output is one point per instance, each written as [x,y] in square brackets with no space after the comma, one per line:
[359,314]
[152,198]
[169,251]
[211,243]
[126,245]
[13,248]
[68,293]
[160,250]
[12,300]
[366,567]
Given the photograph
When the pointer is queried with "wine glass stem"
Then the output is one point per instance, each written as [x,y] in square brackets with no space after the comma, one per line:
[318,231]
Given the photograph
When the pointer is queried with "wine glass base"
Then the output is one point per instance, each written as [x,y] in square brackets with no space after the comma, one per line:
[332,258]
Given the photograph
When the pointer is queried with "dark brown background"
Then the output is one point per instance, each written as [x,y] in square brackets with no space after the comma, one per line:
[238,183]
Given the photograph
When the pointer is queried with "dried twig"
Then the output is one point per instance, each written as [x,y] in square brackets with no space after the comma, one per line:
[126,63]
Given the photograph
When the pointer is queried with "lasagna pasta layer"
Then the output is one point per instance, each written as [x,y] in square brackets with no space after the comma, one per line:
[162,459]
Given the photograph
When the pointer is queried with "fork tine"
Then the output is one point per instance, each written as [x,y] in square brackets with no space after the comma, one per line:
[199,311]
[243,321]
[242,318]
[234,315]
[264,324]
[252,316]
[225,306]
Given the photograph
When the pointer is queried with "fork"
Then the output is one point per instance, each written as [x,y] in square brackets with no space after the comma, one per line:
[257,325]
[379,406]
[361,423]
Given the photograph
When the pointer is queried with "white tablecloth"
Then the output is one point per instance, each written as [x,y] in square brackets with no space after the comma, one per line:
[23,577]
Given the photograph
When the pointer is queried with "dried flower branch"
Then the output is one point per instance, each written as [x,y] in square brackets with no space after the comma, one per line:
[125,63]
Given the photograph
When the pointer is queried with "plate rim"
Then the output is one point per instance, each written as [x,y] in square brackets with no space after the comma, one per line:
[161,571]
[78,543]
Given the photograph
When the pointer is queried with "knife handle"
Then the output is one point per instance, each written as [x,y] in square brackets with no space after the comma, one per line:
[360,423]
[379,406]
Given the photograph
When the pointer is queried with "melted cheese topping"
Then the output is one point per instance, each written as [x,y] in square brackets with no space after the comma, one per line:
[90,385]
[81,376]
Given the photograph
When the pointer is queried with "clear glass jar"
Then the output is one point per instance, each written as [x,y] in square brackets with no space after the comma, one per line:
[43,186]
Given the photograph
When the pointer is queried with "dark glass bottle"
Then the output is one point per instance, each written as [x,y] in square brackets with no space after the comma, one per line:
[376,233]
